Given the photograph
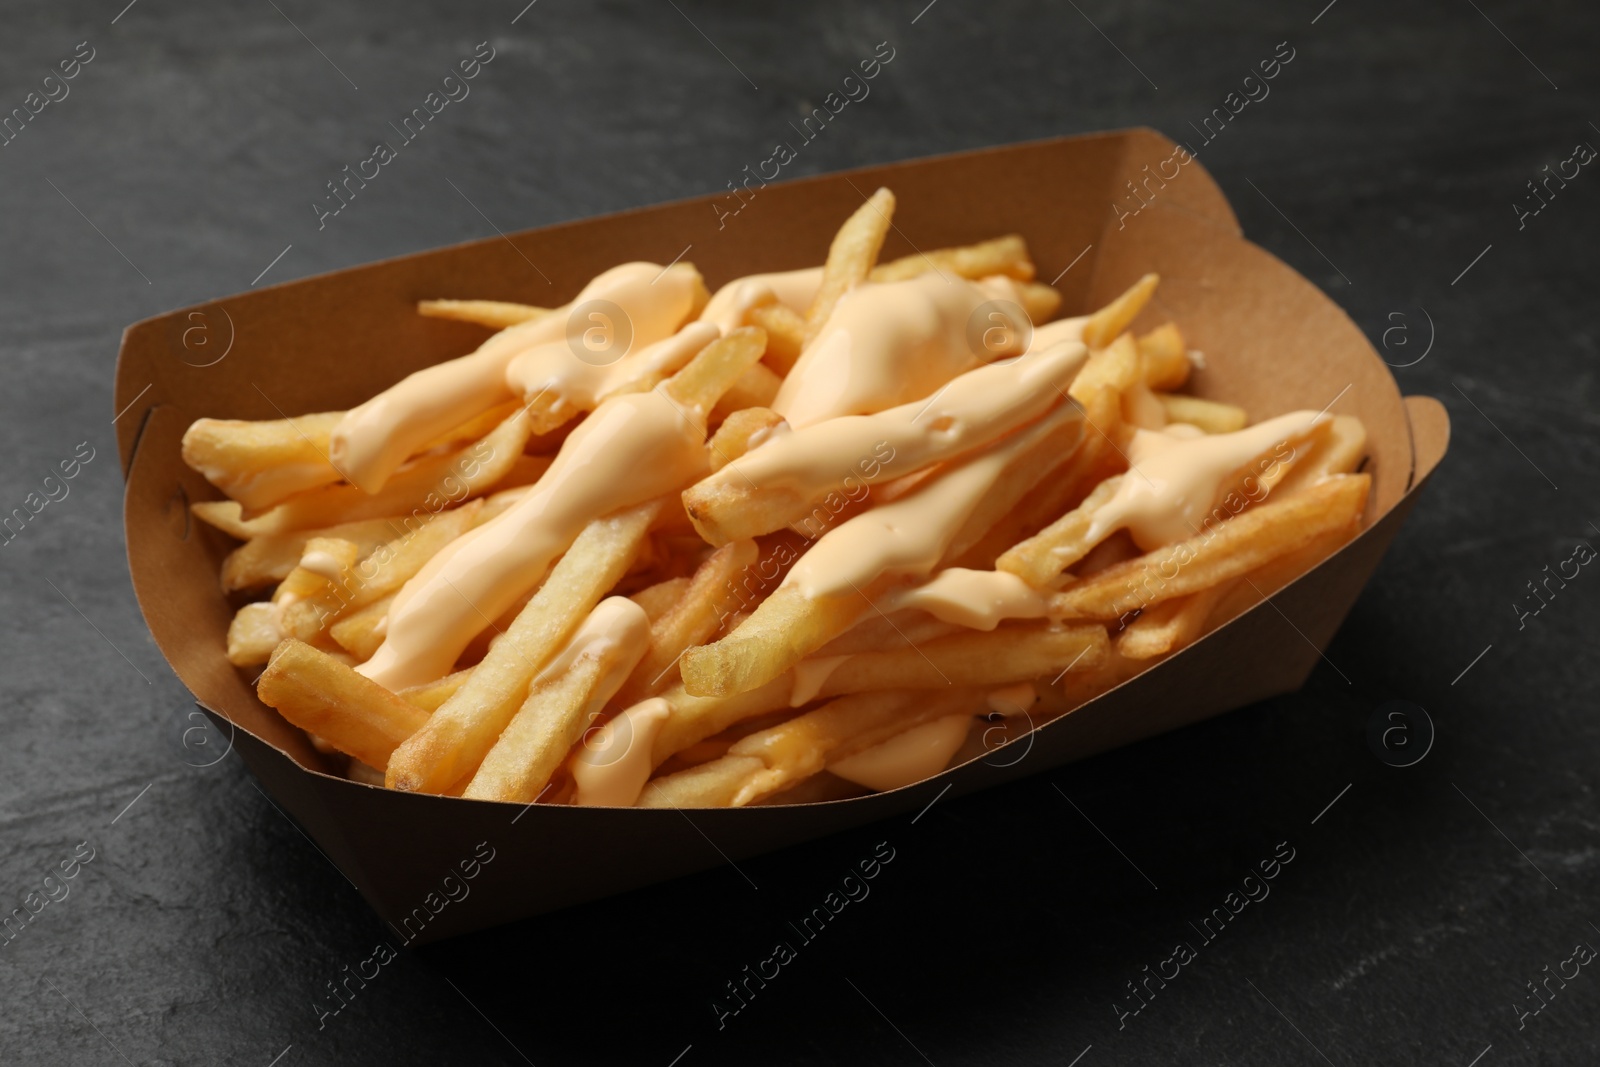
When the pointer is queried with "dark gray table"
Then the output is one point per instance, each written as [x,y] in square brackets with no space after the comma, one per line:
[1385,164]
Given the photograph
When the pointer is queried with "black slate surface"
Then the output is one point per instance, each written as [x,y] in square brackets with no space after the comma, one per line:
[1385,164]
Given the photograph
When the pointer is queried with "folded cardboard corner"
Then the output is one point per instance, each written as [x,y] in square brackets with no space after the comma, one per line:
[1270,341]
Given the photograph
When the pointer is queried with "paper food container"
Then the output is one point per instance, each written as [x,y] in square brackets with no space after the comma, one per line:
[1273,343]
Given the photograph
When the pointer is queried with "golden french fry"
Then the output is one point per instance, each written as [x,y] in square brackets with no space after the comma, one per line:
[496,314]
[880,632]
[784,629]
[689,622]
[1338,451]
[658,599]
[1006,255]
[1008,654]
[771,760]
[1164,358]
[1039,300]
[267,560]
[324,697]
[1042,557]
[1170,625]
[379,575]
[430,696]
[561,704]
[462,731]
[260,463]
[253,634]
[786,335]
[360,632]
[756,388]
[1063,487]
[428,485]
[733,437]
[694,719]
[1210,415]
[1115,366]
[1110,321]
[851,257]
[1221,553]
[714,371]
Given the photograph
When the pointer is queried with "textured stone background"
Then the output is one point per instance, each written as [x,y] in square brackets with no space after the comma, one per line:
[1416,907]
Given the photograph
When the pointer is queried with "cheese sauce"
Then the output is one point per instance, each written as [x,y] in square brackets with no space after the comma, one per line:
[888,344]
[1175,476]
[633,448]
[373,439]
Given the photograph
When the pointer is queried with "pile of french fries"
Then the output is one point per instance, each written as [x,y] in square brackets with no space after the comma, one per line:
[725,683]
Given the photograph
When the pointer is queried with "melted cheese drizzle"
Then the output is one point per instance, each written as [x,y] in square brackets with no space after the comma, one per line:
[1175,476]
[888,344]
[373,439]
[907,757]
[974,408]
[633,448]
[616,630]
[325,564]
[978,600]
[908,536]
[810,675]
[795,289]
[553,370]
[613,764]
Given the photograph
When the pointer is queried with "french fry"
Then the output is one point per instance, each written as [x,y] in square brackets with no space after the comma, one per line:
[1039,300]
[1115,366]
[1062,488]
[757,387]
[851,257]
[994,658]
[268,560]
[1230,549]
[360,632]
[1006,255]
[880,632]
[1338,451]
[789,478]
[1163,357]
[561,704]
[495,314]
[379,575]
[1210,415]
[784,629]
[1110,321]
[714,371]
[322,696]
[694,719]
[658,599]
[461,732]
[430,696]
[253,634]
[1042,557]
[777,758]
[786,335]
[733,437]
[428,485]
[689,622]
[1170,625]
[260,463]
